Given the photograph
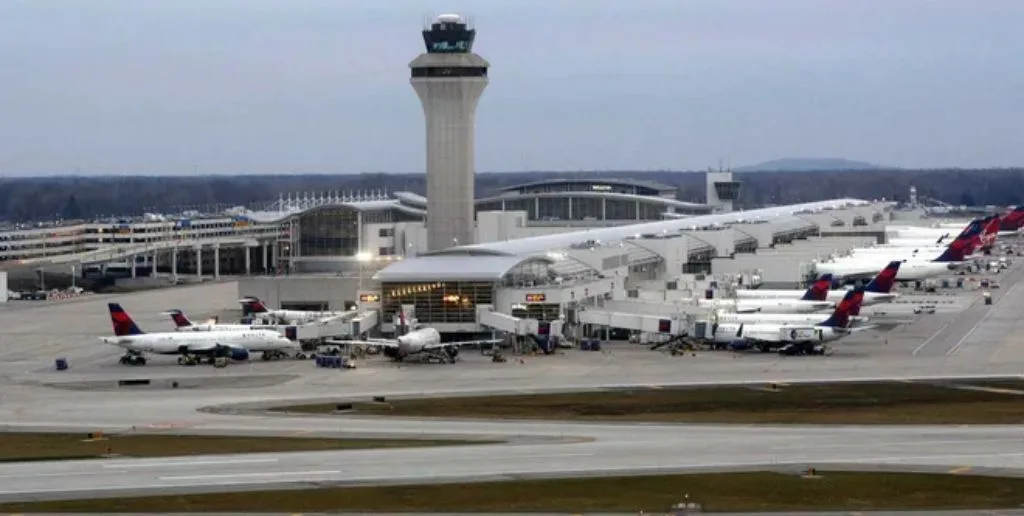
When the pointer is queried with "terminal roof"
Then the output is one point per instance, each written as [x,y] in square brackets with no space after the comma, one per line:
[463,267]
[540,244]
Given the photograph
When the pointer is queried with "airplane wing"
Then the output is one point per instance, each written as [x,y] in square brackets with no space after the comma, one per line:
[207,346]
[463,343]
[747,309]
[854,329]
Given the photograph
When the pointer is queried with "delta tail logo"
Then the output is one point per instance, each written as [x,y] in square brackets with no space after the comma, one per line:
[991,231]
[179,318]
[850,304]
[253,305]
[885,280]
[965,244]
[122,322]
[818,290]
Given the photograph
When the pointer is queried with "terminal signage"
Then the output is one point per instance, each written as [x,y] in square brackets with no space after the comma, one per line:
[535,298]
[369,298]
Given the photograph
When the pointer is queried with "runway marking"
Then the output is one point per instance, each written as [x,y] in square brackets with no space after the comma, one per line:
[302,432]
[165,464]
[255,475]
[988,314]
[962,469]
[172,424]
[930,339]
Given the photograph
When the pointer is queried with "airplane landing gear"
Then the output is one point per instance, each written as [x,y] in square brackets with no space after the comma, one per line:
[188,360]
[133,359]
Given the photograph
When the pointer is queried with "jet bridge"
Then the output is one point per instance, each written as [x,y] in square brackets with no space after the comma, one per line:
[661,324]
[486,316]
[545,334]
[347,325]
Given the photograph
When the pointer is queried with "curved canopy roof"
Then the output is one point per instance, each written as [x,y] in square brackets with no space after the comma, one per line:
[525,246]
[463,267]
[646,199]
[652,185]
[271,217]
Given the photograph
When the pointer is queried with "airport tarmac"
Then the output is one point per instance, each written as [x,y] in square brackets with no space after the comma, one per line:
[972,343]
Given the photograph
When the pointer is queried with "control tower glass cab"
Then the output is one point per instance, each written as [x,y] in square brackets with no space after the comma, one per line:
[449,80]
[449,33]
[722,190]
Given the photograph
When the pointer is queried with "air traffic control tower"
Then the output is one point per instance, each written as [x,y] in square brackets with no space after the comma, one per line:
[449,79]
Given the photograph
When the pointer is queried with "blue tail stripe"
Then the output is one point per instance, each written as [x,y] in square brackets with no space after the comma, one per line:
[834,319]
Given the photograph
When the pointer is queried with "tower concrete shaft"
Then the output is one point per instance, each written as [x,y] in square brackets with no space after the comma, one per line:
[449,106]
[449,80]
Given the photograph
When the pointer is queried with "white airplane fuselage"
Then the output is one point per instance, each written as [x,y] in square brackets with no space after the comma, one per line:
[773,332]
[171,343]
[777,319]
[226,327]
[416,340]
[781,306]
[910,270]
[835,296]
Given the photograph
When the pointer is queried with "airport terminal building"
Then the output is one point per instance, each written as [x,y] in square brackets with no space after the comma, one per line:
[362,257]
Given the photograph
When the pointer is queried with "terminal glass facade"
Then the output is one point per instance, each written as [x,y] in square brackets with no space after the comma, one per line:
[329,231]
[437,302]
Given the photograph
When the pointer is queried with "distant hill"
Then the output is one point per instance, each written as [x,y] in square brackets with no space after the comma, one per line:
[808,165]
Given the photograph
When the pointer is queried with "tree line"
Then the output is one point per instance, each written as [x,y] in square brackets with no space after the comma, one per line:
[48,198]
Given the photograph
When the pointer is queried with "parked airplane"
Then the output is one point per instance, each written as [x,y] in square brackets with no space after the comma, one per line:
[988,227]
[912,268]
[878,290]
[813,293]
[857,298]
[425,342]
[257,307]
[797,338]
[182,323]
[926,232]
[766,306]
[187,345]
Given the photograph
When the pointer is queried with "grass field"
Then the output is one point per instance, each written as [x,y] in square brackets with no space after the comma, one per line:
[836,403]
[62,446]
[754,491]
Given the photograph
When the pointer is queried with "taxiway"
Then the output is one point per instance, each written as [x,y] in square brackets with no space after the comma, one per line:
[970,340]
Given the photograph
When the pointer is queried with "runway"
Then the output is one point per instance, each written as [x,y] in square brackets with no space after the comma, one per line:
[617,449]
[34,335]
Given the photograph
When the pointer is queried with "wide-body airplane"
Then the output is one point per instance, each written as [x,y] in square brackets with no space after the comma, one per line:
[421,342]
[257,307]
[183,323]
[911,268]
[187,345]
[805,337]
[898,247]
[878,290]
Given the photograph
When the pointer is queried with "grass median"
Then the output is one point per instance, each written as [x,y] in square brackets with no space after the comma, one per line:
[22,446]
[833,403]
[752,491]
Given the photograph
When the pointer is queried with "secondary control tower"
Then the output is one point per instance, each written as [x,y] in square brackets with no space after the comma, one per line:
[449,79]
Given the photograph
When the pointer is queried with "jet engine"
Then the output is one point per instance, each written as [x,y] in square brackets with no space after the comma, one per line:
[391,353]
[453,351]
[239,354]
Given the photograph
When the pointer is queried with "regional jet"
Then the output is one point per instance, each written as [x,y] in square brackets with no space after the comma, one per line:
[187,345]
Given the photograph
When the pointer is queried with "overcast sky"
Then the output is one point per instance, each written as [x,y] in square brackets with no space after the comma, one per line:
[322,86]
